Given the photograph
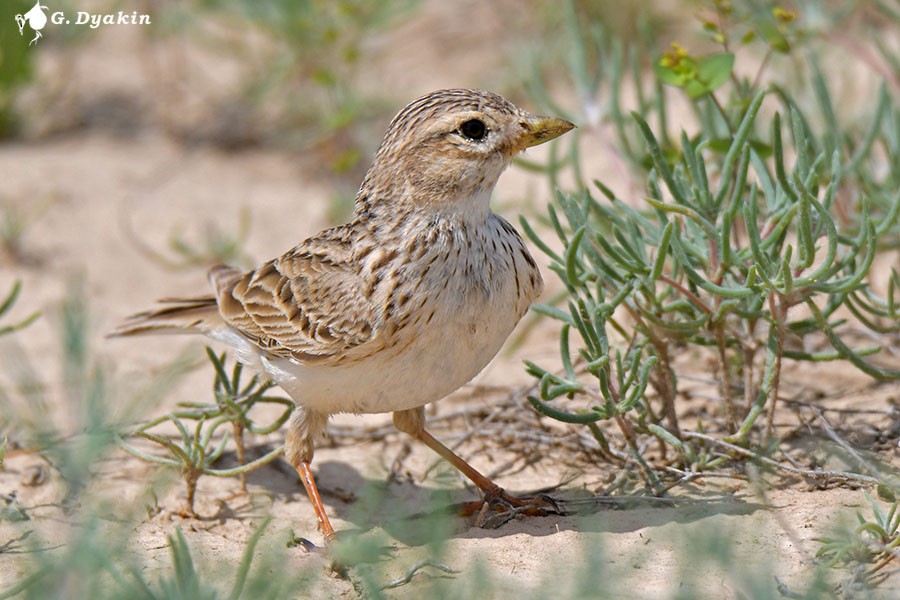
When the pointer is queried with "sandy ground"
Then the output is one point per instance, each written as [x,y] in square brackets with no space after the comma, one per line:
[93,181]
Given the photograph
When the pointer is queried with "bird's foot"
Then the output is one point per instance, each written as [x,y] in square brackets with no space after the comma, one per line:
[498,507]
[305,544]
[341,553]
[338,568]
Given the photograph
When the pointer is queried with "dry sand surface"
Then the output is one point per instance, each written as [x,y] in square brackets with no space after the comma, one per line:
[95,180]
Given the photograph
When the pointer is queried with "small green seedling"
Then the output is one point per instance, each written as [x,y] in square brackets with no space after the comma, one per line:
[200,441]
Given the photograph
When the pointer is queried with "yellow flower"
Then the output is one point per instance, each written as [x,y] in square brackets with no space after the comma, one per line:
[785,16]
[672,58]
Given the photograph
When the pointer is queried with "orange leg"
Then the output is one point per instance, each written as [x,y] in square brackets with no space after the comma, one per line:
[492,492]
[413,422]
[312,491]
[303,428]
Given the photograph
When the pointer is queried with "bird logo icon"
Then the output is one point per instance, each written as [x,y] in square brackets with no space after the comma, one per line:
[35,18]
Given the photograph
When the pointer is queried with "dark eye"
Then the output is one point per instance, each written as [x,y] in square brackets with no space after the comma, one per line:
[473,129]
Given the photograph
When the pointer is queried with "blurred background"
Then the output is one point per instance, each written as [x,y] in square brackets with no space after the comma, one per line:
[178,139]
[135,156]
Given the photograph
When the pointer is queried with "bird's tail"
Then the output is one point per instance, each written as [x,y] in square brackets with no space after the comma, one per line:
[180,315]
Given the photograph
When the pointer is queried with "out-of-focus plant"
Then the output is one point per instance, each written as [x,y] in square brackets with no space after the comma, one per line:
[200,441]
[302,61]
[97,565]
[92,555]
[872,544]
[7,304]
[759,235]
[780,47]
[18,60]
[15,222]
[216,246]
[16,63]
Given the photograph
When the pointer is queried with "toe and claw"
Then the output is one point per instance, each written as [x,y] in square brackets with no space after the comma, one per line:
[498,508]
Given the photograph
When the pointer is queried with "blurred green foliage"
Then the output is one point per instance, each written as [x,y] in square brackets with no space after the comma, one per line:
[868,547]
[16,62]
[6,305]
[302,80]
[97,558]
[216,245]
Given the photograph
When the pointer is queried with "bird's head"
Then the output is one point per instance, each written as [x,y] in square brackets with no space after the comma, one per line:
[450,147]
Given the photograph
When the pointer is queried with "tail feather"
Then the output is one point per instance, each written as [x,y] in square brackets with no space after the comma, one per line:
[183,315]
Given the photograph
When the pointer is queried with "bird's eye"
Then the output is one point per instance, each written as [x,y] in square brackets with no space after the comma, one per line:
[473,129]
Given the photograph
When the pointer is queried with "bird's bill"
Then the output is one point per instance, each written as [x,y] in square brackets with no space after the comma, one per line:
[538,129]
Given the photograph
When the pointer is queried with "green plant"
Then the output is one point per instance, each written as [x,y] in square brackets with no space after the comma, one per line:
[737,235]
[872,544]
[301,64]
[216,246]
[14,225]
[94,544]
[16,64]
[7,304]
[95,566]
[197,447]
[607,72]
[88,549]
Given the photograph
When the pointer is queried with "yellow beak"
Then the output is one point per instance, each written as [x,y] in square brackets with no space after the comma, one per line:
[537,130]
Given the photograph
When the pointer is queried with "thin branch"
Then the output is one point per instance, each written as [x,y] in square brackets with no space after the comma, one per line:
[814,473]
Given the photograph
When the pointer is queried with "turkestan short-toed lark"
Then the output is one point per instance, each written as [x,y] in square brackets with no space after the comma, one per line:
[404,304]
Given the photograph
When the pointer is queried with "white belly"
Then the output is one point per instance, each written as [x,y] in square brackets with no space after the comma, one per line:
[474,308]
[444,355]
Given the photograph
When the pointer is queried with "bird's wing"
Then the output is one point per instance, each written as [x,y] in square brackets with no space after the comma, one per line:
[309,304]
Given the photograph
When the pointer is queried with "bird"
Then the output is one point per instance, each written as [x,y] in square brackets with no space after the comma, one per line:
[400,306]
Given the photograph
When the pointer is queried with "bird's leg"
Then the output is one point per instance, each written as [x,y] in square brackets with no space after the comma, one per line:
[304,426]
[412,422]
[309,482]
